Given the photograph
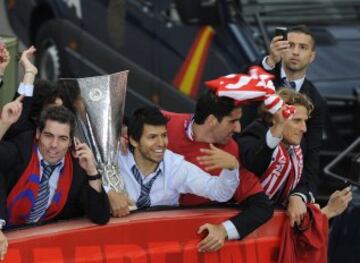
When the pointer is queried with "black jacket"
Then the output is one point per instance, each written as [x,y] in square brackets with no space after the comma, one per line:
[311,142]
[82,199]
[256,155]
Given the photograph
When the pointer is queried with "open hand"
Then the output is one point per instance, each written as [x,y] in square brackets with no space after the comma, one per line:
[216,158]
[25,58]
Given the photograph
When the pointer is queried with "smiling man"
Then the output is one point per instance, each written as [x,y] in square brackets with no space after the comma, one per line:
[154,175]
[215,121]
[40,180]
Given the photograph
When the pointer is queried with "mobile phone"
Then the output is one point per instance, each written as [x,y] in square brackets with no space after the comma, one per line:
[76,142]
[281,31]
[345,184]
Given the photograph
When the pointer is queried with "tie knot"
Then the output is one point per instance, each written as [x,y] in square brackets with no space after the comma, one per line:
[136,174]
[292,84]
[287,84]
[48,168]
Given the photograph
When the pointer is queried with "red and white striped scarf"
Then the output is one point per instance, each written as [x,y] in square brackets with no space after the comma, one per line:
[245,89]
[284,172]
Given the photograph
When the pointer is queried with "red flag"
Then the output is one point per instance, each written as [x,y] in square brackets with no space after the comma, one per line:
[257,85]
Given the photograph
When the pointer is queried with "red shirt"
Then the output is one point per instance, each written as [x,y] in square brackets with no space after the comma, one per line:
[181,143]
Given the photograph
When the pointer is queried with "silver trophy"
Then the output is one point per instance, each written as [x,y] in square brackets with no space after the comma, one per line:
[99,113]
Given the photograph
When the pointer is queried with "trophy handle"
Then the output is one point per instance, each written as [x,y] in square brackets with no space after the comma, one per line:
[111,178]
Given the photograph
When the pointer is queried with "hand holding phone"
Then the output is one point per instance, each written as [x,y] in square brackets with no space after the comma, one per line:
[345,184]
[281,31]
[76,142]
[278,46]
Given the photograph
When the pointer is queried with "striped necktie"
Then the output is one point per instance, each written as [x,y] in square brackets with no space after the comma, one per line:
[144,198]
[42,199]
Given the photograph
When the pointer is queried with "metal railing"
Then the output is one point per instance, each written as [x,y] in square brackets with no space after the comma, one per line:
[338,159]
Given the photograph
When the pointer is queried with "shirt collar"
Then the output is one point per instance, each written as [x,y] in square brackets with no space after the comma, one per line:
[188,125]
[131,163]
[40,157]
[298,82]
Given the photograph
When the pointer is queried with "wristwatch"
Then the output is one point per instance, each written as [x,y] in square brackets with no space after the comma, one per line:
[94,177]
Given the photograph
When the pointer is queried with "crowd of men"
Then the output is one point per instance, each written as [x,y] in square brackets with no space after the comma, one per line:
[172,159]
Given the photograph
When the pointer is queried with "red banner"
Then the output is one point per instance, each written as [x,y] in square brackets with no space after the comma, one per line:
[154,237]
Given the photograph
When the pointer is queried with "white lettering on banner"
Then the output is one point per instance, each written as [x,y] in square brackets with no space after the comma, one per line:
[76,4]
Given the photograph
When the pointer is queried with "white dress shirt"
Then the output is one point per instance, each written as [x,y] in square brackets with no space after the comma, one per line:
[26,89]
[179,177]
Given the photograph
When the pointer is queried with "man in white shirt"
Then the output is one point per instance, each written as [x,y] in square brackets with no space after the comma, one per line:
[154,175]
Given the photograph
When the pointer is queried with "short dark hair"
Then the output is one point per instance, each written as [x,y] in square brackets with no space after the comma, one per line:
[69,91]
[59,114]
[145,115]
[211,104]
[45,93]
[290,97]
[304,30]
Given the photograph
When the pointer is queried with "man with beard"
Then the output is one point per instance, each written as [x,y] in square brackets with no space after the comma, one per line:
[215,121]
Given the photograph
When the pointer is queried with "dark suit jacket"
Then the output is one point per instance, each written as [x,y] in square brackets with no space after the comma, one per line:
[313,137]
[311,142]
[256,155]
[15,155]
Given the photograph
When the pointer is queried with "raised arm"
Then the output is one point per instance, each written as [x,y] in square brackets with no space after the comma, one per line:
[258,142]
[10,113]
[97,202]
[30,71]
[26,88]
